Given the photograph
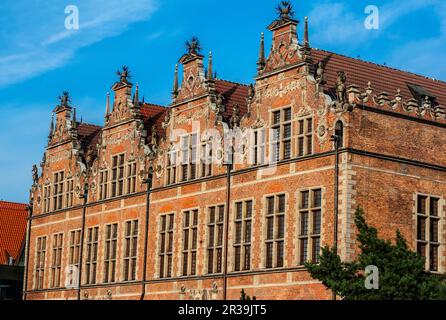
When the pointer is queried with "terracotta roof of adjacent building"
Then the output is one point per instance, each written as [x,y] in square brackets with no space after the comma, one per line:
[13,217]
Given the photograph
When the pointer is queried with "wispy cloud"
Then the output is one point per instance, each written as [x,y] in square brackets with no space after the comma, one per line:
[34,39]
[427,56]
[338,23]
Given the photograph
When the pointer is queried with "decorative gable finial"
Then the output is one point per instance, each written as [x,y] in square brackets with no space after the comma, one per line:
[306,37]
[74,125]
[261,62]
[124,74]
[210,75]
[65,99]
[175,83]
[285,10]
[193,46]
[136,96]
[50,136]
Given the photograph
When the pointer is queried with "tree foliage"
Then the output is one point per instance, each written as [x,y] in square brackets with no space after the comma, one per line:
[401,271]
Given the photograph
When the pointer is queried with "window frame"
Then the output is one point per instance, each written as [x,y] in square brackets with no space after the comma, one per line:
[92,252]
[428,242]
[117,175]
[40,263]
[130,251]
[110,252]
[166,248]
[215,247]
[56,259]
[278,152]
[306,135]
[189,254]
[310,236]
[244,264]
[275,241]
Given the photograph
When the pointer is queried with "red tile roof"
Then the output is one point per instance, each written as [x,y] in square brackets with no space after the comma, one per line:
[233,93]
[88,134]
[153,114]
[13,218]
[382,78]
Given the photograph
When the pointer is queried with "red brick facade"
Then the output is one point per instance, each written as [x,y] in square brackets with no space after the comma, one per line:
[156,226]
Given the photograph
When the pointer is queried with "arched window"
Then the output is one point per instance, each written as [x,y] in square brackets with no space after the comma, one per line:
[339,132]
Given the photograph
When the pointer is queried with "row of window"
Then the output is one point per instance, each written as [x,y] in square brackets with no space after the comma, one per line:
[112,183]
[309,234]
[274,240]
[128,263]
[117,181]
[53,196]
[183,164]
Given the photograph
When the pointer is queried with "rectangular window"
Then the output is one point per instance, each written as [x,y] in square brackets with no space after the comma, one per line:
[103,184]
[58,190]
[56,261]
[117,179]
[258,151]
[166,245]
[131,177]
[305,137]
[74,249]
[130,249]
[215,238]
[91,262]
[242,236]
[206,159]
[39,267]
[281,140]
[111,241]
[171,166]
[190,242]
[275,231]
[428,222]
[189,156]
[310,206]
[69,195]
[46,198]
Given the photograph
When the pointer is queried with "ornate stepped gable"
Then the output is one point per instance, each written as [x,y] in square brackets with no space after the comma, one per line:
[348,83]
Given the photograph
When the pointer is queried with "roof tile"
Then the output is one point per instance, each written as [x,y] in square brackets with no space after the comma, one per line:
[13,217]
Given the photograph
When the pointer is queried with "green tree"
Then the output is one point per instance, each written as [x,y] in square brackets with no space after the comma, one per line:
[401,271]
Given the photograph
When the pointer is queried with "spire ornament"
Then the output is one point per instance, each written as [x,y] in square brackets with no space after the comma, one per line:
[107,105]
[193,46]
[261,62]
[50,136]
[209,73]
[124,74]
[136,96]
[175,83]
[306,37]
[65,99]
[74,121]
[285,10]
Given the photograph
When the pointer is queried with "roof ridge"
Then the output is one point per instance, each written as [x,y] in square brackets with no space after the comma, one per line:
[382,66]
[229,81]
[90,124]
[153,105]
[12,202]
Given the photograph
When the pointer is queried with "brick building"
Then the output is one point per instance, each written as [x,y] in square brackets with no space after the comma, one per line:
[233,186]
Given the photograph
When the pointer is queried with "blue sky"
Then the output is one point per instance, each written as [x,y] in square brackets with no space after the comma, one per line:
[39,58]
